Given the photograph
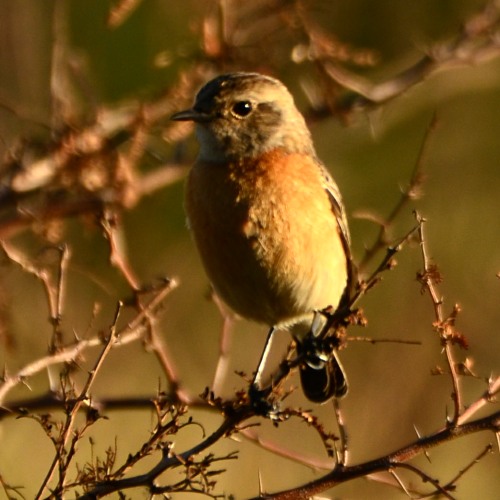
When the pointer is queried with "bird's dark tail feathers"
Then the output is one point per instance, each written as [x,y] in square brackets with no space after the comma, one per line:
[326,380]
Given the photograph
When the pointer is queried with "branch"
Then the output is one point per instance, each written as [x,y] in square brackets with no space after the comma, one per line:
[228,426]
[412,192]
[342,474]
[477,42]
[113,232]
[131,332]
[486,399]
[429,278]
[63,456]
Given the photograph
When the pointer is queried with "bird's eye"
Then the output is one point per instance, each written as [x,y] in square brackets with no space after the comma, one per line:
[242,108]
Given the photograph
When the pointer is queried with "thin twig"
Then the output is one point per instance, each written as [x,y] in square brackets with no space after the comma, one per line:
[114,235]
[428,278]
[487,398]
[168,461]
[120,12]
[112,230]
[131,332]
[400,482]
[476,42]
[342,474]
[427,479]
[82,399]
[372,340]
[473,462]
[412,192]
[299,457]
[386,264]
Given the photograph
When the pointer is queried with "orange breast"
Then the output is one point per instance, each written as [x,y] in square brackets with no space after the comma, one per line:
[267,236]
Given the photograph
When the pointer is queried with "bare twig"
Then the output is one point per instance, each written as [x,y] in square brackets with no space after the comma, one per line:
[166,360]
[400,482]
[120,12]
[112,230]
[300,457]
[114,234]
[386,263]
[168,461]
[342,474]
[478,41]
[338,475]
[426,479]
[430,278]
[62,455]
[412,192]
[473,462]
[440,489]
[131,332]
[84,169]
[487,398]
[11,492]
[372,340]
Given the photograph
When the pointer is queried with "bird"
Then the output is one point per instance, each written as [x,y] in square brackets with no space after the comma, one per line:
[267,217]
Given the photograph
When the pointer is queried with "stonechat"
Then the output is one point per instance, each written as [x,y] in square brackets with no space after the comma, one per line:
[266,216]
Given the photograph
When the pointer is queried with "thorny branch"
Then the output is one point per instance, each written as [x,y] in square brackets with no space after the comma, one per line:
[55,292]
[134,330]
[63,455]
[346,473]
[169,460]
[411,193]
[237,413]
[429,278]
[118,258]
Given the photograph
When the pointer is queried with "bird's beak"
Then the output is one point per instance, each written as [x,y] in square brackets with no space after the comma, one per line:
[190,115]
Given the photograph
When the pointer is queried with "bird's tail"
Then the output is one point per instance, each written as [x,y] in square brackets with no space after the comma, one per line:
[325,380]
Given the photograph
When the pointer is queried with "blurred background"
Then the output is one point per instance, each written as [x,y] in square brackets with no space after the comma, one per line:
[371,149]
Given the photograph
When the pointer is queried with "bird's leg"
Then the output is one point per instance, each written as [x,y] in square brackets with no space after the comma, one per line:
[257,378]
[259,395]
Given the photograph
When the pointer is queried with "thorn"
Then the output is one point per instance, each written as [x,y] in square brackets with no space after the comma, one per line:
[417,432]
